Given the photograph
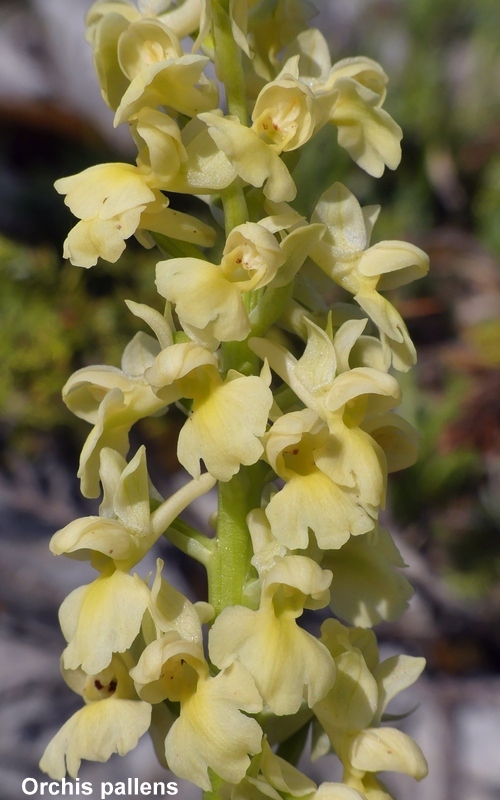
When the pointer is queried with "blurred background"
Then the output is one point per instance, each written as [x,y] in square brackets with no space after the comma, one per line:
[443,59]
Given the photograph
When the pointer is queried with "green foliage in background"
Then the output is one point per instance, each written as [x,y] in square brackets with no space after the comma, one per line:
[55,319]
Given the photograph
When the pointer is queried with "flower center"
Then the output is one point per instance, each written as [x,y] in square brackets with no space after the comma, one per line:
[100,686]
[278,125]
[153,52]
[179,679]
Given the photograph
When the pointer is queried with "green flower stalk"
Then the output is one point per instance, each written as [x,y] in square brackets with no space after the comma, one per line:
[291,413]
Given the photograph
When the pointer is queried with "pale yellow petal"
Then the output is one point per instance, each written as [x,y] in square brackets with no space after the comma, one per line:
[394,675]
[287,663]
[345,340]
[105,190]
[351,458]
[368,133]
[206,169]
[283,776]
[94,733]
[360,381]
[213,732]
[337,791]
[204,297]
[86,388]
[254,161]
[183,19]
[366,588]
[82,536]
[378,749]
[139,354]
[392,327]
[339,639]
[131,501]
[100,619]
[340,212]
[296,247]
[315,502]
[159,324]
[352,702]
[116,414]
[100,238]
[397,263]
[398,439]
[317,366]
[171,610]
[170,372]
[224,428]
[177,83]
[103,35]
[365,71]
[158,138]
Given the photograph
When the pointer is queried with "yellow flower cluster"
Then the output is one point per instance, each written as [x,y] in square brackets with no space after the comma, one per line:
[289,408]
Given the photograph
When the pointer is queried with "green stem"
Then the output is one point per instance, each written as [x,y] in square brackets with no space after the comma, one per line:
[229,566]
[190,541]
[228,60]
[234,205]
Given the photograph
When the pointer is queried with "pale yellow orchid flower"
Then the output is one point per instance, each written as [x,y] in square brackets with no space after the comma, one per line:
[368,133]
[105,616]
[270,776]
[126,527]
[182,18]
[341,397]
[211,730]
[288,664]
[159,73]
[345,255]
[351,712]
[350,94]
[186,161]
[112,720]
[208,297]
[114,201]
[285,113]
[109,20]
[256,162]
[316,69]
[228,417]
[113,400]
[299,448]
[366,587]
